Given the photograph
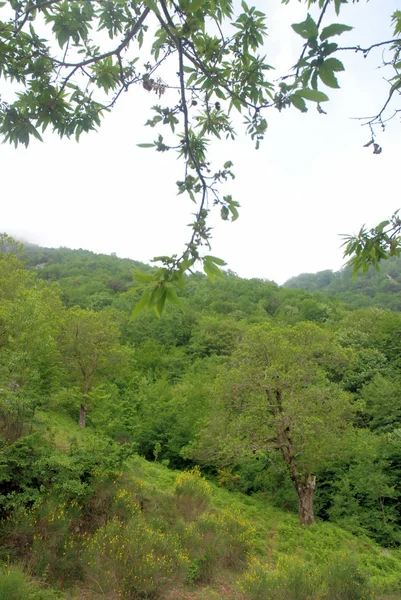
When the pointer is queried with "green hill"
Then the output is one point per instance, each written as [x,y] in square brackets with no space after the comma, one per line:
[288,399]
[183,538]
[376,288]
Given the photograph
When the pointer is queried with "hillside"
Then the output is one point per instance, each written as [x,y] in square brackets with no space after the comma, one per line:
[248,443]
[375,288]
[193,540]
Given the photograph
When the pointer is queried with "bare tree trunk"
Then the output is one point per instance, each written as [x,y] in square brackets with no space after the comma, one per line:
[306,492]
[84,403]
[305,487]
[82,416]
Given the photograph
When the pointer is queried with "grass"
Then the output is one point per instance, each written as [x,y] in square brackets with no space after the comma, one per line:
[220,540]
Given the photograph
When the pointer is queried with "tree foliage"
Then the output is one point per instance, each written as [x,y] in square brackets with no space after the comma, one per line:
[90,348]
[277,396]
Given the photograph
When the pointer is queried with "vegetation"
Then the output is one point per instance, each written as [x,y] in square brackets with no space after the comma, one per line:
[289,400]
[73,60]
[374,288]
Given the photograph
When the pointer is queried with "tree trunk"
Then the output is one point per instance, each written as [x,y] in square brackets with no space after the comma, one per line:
[305,487]
[84,402]
[306,492]
[82,416]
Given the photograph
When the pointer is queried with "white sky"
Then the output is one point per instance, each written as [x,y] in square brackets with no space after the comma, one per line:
[310,181]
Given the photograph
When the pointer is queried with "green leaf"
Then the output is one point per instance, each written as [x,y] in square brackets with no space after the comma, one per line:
[298,102]
[312,95]
[143,304]
[326,74]
[142,277]
[224,213]
[234,212]
[334,64]
[337,6]
[215,259]
[330,48]
[152,4]
[186,264]
[334,29]
[159,304]
[212,271]
[195,5]
[210,267]
[173,297]
[146,145]
[219,94]
[307,29]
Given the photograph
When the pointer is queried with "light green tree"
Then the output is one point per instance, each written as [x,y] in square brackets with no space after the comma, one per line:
[90,350]
[13,275]
[28,355]
[277,396]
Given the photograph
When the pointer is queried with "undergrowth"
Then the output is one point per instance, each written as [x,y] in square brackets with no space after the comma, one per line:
[147,532]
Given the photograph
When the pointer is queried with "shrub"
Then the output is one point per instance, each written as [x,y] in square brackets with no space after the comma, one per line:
[192,494]
[292,579]
[344,581]
[284,581]
[55,551]
[217,539]
[132,559]
[15,586]
[231,535]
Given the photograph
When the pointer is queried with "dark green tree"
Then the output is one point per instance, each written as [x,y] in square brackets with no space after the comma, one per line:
[276,395]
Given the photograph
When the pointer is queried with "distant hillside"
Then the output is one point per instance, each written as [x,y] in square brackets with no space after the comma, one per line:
[86,278]
[97,281]
[376,288]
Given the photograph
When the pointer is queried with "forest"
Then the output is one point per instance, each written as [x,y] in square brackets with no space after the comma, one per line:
[244,445]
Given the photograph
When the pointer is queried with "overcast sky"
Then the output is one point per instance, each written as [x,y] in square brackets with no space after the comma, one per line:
[311,180]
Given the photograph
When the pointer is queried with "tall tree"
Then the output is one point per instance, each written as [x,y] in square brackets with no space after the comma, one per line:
[90,348]
[277,396]
[28,355]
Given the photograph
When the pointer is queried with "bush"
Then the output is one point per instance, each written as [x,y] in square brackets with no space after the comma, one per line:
[284,581]
[230,535]
[15,586]
[192,494]
[216,540]
[133,560]
[55,552]
[292,579]
[344,581]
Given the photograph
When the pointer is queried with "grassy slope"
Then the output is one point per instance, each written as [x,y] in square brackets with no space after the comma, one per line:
[277,534]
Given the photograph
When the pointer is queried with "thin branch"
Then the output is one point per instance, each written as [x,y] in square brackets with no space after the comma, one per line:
[366,51]
[378,118]
[319,22]
[187,142]
[322,13]
[29,10]
[132,33]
